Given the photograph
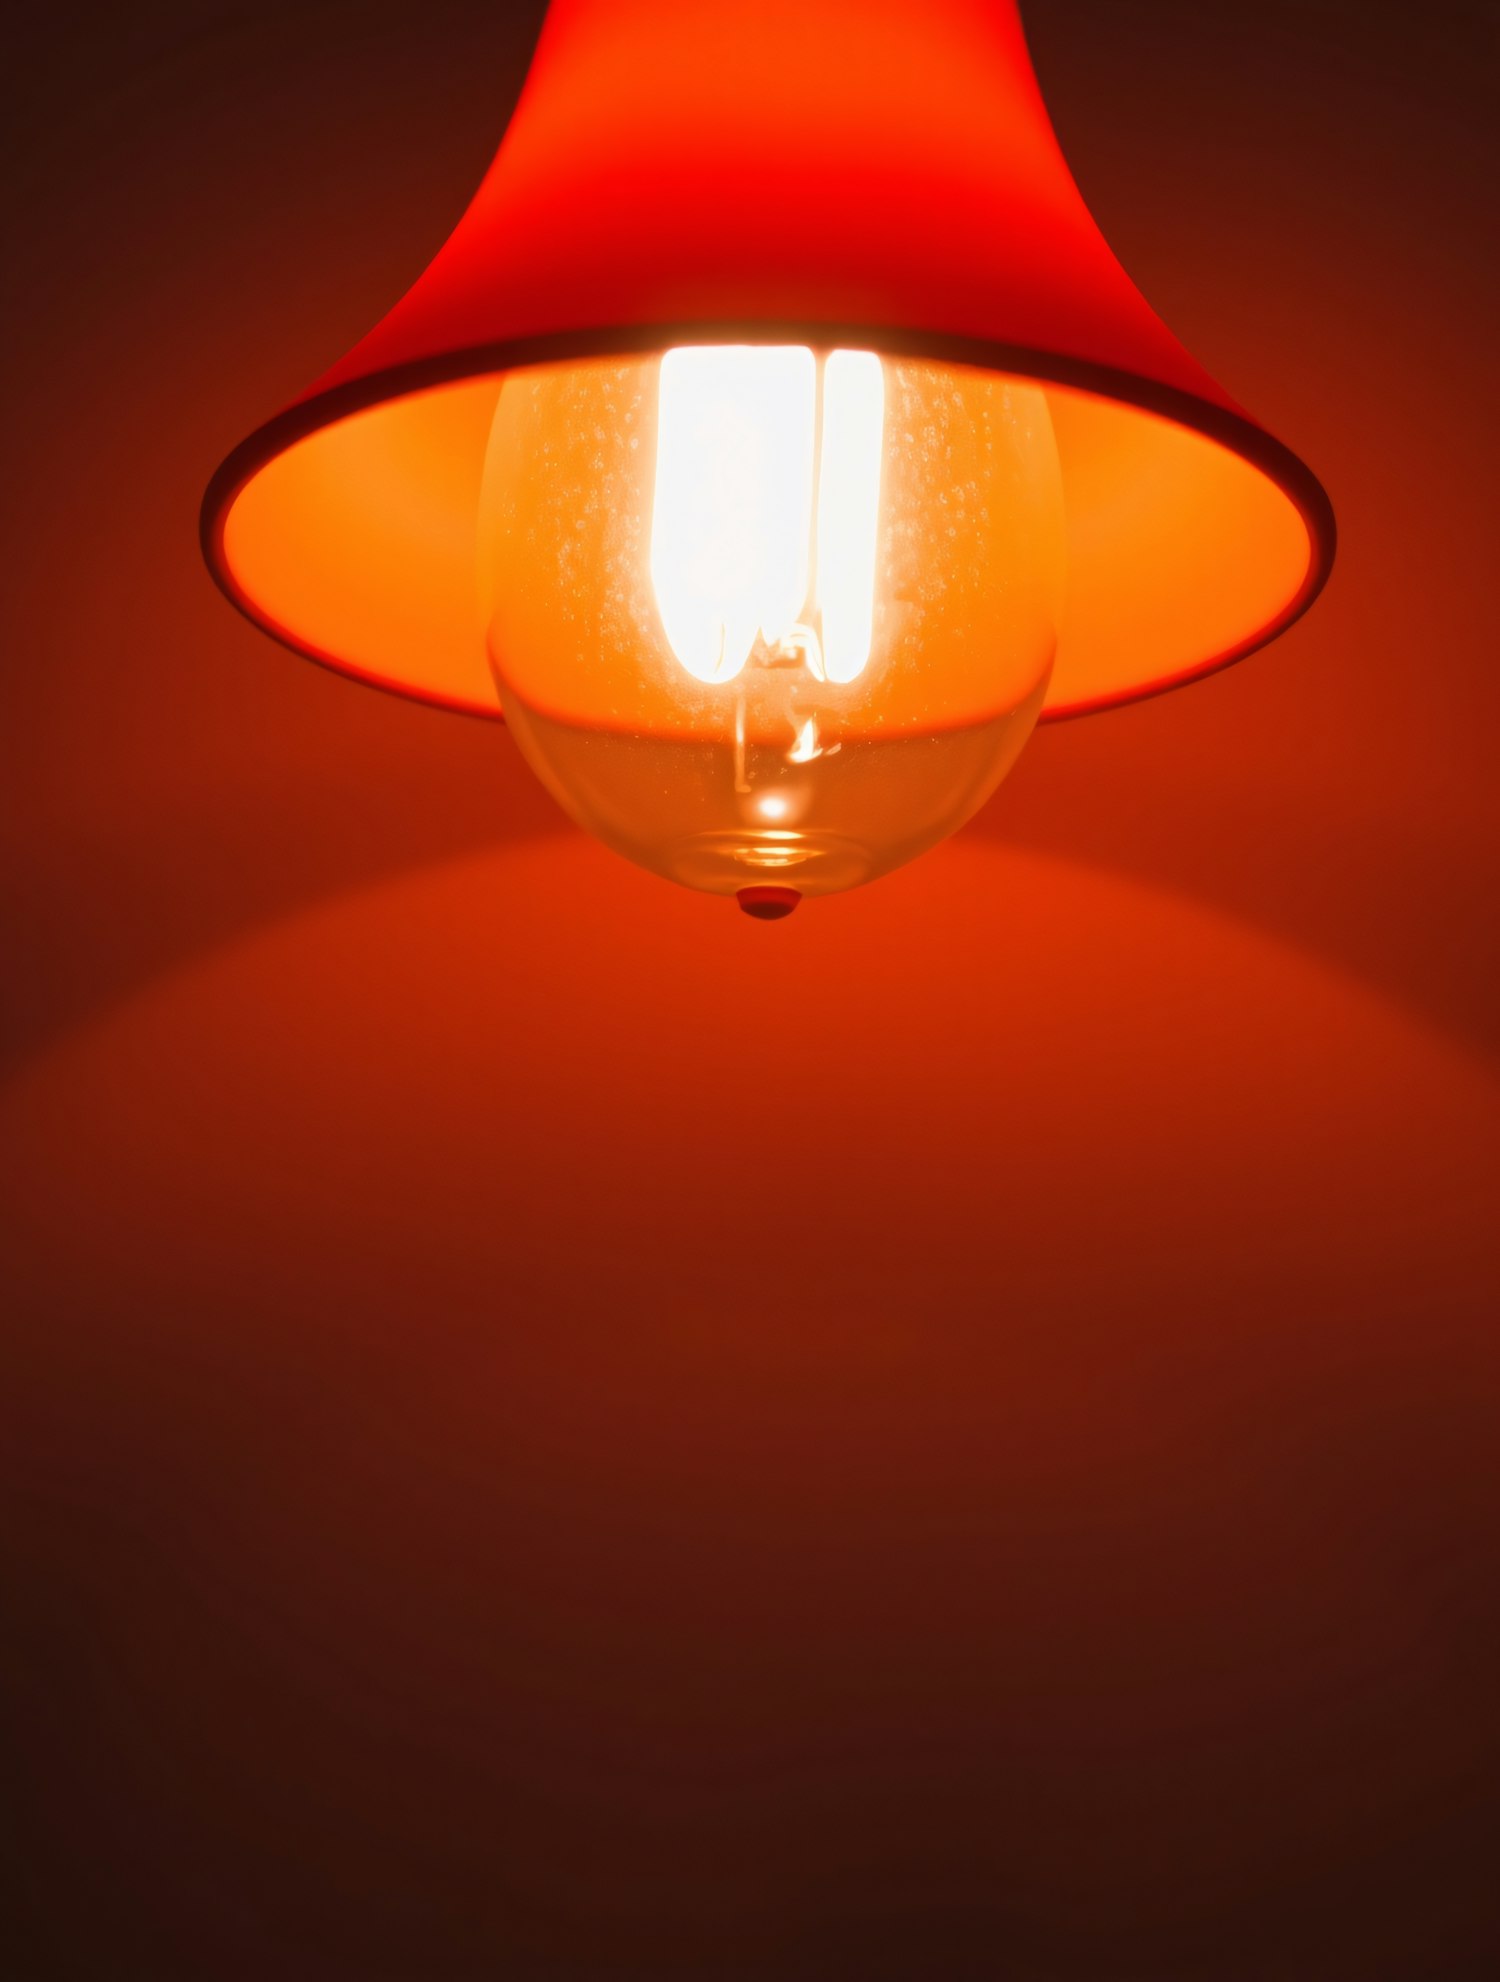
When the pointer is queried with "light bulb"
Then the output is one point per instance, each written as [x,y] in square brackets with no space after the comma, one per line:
[760,615]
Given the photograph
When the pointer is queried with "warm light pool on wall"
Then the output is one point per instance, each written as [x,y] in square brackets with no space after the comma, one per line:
[774,441]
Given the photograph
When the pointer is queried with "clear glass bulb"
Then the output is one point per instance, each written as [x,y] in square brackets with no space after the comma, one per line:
[759,615]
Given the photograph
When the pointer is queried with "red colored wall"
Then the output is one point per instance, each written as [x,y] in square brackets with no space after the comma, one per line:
[549,1430]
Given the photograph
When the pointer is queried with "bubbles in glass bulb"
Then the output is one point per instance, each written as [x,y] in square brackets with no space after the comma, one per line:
[759,614]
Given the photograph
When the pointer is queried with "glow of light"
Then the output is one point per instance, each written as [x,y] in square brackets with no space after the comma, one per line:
[772,806]
[806,747]
[849,508]
[732,519]
[732,514]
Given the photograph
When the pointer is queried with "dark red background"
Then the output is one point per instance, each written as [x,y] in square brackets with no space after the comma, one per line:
[550,1431]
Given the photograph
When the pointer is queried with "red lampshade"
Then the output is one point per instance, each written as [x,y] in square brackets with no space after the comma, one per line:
[870,173]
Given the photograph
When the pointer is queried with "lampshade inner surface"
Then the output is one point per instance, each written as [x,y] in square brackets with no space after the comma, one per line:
[359,543]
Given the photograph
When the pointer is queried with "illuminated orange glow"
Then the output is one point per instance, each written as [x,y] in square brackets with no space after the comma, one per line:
[749,608]
[914,211]
[358,543]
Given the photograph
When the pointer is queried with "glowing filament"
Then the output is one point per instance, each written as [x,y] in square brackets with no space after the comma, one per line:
[848,508]
[806,747]
[732,522]
[733,508]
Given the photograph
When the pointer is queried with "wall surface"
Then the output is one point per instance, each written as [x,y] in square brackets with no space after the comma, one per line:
[547,1430]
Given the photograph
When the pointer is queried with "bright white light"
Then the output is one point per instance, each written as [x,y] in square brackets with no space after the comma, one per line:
[733,506]
[849,508]
[731,525]
[806,746]
[772,806]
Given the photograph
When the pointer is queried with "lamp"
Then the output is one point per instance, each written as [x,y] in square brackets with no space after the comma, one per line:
[773,442]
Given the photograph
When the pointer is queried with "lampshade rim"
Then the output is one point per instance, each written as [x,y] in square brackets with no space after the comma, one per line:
[1220,423]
